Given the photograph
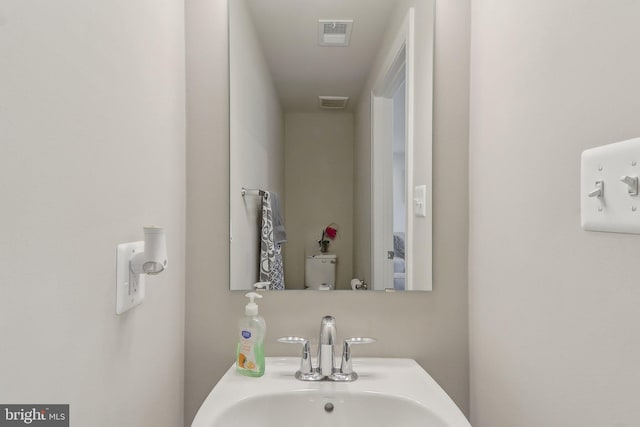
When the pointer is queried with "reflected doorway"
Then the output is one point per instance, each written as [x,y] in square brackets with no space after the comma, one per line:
[391,165]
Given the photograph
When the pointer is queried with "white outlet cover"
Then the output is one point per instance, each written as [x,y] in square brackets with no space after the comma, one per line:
[616,211]
[128,296]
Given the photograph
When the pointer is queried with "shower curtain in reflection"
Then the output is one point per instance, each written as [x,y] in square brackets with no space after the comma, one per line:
[272,235]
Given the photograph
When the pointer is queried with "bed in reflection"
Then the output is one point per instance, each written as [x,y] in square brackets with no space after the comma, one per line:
[398,261]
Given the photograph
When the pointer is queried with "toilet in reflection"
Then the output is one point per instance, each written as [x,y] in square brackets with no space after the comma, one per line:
[320,272]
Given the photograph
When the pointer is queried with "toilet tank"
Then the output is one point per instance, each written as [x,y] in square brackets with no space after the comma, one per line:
[320,269]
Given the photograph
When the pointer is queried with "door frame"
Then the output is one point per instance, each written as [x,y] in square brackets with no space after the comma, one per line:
[398,67]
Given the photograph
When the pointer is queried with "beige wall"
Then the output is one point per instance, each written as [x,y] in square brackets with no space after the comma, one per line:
[91,149]
[319,188]
[257,150]
[430,327]
[553,309]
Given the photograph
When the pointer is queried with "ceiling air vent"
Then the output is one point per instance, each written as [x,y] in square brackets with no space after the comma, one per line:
[334,32]
[333,102]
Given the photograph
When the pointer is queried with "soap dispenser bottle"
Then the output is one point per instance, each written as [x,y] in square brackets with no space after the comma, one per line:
[251,332]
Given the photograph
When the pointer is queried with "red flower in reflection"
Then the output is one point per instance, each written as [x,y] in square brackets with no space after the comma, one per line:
[331,232]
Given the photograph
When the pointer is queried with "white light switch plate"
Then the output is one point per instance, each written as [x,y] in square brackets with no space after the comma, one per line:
[420,200]
[615,210]
[128,295]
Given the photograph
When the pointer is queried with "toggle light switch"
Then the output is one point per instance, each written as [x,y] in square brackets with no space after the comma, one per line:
[598,191]
[632,183]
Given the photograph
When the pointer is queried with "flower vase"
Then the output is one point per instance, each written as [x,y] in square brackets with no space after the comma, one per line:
[324,247]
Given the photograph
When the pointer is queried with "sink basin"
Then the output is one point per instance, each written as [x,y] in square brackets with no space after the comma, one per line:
[389,392]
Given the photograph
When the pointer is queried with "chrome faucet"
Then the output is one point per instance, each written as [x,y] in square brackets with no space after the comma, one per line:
[326,369]
[326,356]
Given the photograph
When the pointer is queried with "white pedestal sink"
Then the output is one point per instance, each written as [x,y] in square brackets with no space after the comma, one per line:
[388,392]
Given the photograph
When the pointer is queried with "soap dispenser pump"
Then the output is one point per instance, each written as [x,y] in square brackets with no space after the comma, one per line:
[251,332]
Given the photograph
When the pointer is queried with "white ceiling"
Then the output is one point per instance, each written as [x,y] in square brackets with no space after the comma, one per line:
[301,69]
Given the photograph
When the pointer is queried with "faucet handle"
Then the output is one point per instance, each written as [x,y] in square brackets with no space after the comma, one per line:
[306,372]
[346,369]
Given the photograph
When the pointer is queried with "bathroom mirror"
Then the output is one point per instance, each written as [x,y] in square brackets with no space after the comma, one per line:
[330,144]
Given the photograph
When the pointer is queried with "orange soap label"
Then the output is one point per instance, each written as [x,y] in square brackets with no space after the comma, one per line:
[246,353]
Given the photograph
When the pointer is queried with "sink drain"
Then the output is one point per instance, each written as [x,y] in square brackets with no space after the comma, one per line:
[328,407]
